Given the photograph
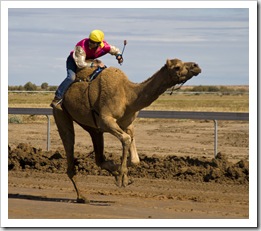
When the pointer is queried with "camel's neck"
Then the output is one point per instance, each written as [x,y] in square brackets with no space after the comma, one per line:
[149,90]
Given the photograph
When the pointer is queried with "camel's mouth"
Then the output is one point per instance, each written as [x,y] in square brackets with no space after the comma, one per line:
[194,69]
[195,73]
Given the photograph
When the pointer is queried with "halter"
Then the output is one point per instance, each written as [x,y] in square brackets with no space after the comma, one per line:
[175,89]
[180,84]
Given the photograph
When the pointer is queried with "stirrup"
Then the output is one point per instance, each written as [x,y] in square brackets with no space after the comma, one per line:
[56,103]
[59,102]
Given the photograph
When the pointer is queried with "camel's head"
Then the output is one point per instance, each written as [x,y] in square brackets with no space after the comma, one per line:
[182,71]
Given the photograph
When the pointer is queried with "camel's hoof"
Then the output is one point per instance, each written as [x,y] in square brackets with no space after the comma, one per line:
[123,180]
[82,201]
[131,181]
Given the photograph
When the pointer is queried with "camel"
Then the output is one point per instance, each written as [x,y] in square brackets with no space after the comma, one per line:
[110,103]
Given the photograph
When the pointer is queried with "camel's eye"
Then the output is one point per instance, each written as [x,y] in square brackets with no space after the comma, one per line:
[177,68]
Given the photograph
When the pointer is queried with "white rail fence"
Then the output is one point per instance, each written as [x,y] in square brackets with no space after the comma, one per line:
[215,116]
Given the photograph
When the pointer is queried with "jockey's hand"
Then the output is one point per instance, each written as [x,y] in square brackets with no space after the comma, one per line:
[119,58]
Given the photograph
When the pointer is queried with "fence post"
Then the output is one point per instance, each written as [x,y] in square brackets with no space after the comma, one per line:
[48,132]
[215,137]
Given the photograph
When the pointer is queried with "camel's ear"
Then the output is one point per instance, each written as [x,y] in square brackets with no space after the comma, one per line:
[168,63]
[174,64]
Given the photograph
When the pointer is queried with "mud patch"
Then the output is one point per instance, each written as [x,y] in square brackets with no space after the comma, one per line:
[25,157]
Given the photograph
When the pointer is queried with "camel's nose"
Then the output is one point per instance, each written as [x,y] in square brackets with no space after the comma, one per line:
[195,65]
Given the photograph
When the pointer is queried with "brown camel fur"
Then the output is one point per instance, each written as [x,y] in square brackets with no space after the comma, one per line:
[110,103]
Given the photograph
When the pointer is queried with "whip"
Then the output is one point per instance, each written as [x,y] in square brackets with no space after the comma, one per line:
[125,43]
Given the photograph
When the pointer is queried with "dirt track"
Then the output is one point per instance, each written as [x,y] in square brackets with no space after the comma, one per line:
[177,176]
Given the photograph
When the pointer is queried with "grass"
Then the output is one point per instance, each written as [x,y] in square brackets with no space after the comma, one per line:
[41,99]
[202,102]
[175,102]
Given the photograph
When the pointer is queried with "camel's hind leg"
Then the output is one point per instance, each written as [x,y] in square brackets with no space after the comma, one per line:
[98,145]
[134,157]
[66,130]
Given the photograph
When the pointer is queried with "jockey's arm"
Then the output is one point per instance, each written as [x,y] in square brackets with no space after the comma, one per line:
[116,51]
[79,57]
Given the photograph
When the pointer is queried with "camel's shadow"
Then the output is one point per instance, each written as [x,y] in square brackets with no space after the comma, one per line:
[63,200]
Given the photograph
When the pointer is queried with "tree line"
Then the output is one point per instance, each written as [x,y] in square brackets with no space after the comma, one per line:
[221,89]
[29,86]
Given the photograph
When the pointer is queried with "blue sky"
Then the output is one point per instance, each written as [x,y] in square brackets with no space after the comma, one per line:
[40,39]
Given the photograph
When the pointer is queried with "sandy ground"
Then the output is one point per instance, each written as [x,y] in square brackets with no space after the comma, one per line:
[177,178]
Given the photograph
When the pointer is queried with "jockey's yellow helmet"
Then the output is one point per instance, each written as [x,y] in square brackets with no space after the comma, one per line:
[97,36]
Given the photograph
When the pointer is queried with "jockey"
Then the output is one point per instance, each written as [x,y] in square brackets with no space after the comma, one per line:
[89,48]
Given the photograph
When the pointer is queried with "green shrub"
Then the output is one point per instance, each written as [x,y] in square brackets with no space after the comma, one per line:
[44,86]
[53,88]
[15,120]
[30,87]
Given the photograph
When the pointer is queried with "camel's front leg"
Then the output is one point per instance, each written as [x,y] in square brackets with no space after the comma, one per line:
[66,131]
[109,124]
[122,178]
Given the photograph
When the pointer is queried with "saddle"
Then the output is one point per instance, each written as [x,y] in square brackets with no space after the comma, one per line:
[88,74]
[96,73]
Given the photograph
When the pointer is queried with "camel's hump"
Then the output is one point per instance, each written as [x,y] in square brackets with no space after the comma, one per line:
[113,72]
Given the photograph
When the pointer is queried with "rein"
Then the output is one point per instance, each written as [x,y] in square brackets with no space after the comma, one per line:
[175,89]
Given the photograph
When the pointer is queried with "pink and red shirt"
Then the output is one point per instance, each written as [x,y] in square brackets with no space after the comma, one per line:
[92,53]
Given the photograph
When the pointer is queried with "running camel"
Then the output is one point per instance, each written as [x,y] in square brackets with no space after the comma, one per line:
[110,103]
